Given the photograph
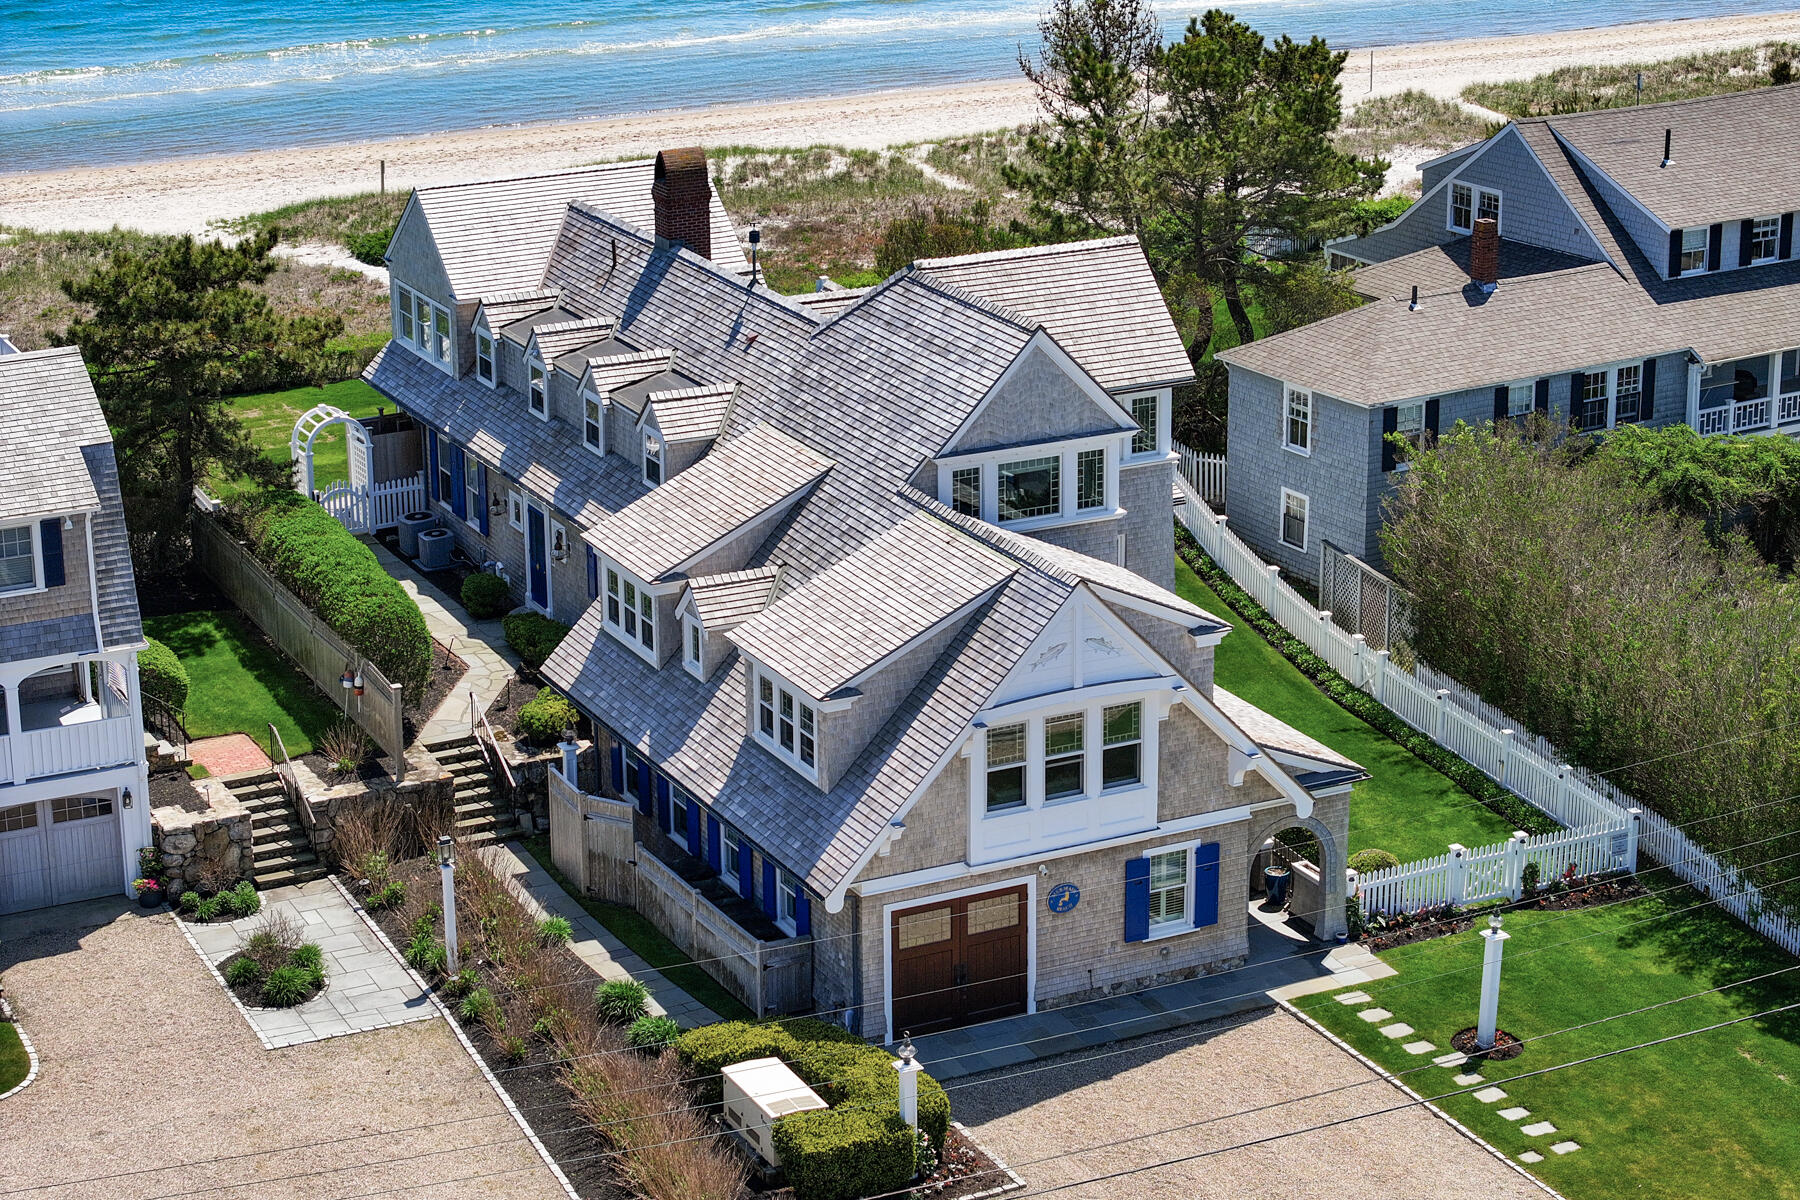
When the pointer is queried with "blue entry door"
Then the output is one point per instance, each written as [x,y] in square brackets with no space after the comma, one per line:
[539,567]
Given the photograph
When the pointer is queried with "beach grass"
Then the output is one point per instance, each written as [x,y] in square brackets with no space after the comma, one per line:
[1408,120]
[332,220]
[1579,88]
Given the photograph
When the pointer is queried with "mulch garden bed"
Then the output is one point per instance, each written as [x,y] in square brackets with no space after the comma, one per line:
[1557,898]
[1505,1046]
[173,789]
[250,994]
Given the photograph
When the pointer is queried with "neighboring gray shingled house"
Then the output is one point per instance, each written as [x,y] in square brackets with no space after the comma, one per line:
[74,798]
[1629,288]
[871,594]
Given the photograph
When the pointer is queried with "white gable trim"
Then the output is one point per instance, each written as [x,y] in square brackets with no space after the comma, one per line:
[1041,340]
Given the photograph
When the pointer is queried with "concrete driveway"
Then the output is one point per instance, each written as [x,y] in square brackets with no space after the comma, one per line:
[1083,1115]
[152,1085]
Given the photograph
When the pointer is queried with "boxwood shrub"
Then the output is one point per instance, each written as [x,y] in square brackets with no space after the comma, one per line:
[533,637]
[485,596]
[543,718]
[339,578]
[161,674]
[857,1147]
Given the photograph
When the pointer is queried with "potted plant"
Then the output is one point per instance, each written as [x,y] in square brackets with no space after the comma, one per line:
[149,892]
[1275,884]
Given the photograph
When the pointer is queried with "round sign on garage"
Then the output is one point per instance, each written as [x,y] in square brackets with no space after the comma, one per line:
[1063,897]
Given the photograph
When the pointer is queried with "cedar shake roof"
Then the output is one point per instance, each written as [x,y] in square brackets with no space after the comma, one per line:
[503,308]
[555,339]
[690,414]
[520,329]
[611,372]
[726,601]
[1271,733]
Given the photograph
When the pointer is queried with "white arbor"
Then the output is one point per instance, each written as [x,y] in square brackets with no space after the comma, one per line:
[347,501]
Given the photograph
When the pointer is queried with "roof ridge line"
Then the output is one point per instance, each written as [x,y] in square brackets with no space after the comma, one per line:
[974,300]
[1039,251]
[567,171]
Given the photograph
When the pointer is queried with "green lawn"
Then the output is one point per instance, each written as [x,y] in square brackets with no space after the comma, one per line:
[1713,1115]
[647,942]
[15,1064]
[238,684]
[1405,807]
[270,417]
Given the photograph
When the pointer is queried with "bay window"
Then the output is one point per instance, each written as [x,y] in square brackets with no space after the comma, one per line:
[1063,756]
[1029,488]
[786,724]
[403,314]
[631,613]
[1168,890]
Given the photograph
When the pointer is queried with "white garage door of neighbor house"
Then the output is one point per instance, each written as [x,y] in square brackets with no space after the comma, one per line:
[57,851]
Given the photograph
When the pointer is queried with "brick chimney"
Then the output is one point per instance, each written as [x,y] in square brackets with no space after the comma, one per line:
[683,200]
[1484,254]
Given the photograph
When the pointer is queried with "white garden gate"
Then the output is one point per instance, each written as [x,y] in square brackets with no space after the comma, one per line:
[359,503]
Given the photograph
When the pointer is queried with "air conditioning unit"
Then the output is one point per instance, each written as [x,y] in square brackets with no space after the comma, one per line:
[758,1092]
[412,524]
[435,546]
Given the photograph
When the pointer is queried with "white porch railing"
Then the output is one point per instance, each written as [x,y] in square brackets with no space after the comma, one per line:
[1205,473]
[1751,416]
[67,749]
[1588,805]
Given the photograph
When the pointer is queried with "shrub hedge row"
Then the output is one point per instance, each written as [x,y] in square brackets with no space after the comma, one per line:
[1467,776]
[339,578]
[859,1146]
[160,674]
[533,637]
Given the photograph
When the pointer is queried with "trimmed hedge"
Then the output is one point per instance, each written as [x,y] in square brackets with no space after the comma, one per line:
[160,674]
[1364,861]
[533,637]
[485,596]
[1464,775]
[338,578]
[857,1147]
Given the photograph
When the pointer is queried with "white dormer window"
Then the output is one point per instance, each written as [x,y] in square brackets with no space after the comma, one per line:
[1296,429]
[653,459]
[1765,239]
[1145,411]
[693,645]
[1074,481]
[786,724]
[1030,487]
[1693,251]
[1469,204]
[404,327]
[537,399]
[424,327]
[440,328]
[1090,480]
[965,491]
[1043,761]
[593,422]
[484,357]
[631,613]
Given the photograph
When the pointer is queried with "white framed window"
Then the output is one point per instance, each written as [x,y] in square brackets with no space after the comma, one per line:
[425,327]
[731,846]
[653,459]
[1294,508]
[1693,251]
[1765,239]
[1065,757]
[787,901]
[693,644]
[537,397]
[1062,753]
[446,477]
[1469,203]
[1409,421]
[403,314]
[1521,398]
[1145,411]
[965,491]
[484,356]
[19,559]
[1628,393]
[787,724]
[1030,487]
[1487,205]
[1591,406]
[1296,429]
[1122,745]
[515,510]
[1006,767]
[1062,484]
[593,422]
[440,342]
[631,613]
[473,501]
[1168,890]
[1090,480]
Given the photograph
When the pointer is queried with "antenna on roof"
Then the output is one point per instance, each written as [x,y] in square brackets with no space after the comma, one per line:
[755,241]
[1668,147]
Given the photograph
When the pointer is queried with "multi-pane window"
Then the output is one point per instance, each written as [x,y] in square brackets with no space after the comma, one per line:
[1693,250]
[1030,488]
[593,423]
[613,614]
[534,385]
[1628,394]
[1122,736]
[732,844]
[1765,239]
[473,499]
[1487,205]
[693,644]
[787,907]
[18,559]
[1462,207]
[1006,768]
[19,816]
[630,610]
[678,806]
[787,723]
[1143,411]
[1293,519]
[653,463]
[965,491]
[79,808]
[1064,755]
[446,475]
[765,706]
[647,620]
[440,345]
[484,356]
[1409,421]
[1590,407]
[1168,889]
[1520,398]
[1090,479]
[1297,433]
[403,313]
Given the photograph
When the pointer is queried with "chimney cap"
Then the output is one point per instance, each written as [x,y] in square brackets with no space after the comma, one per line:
[680,161]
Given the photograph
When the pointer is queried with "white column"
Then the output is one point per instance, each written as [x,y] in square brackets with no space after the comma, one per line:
[908,1068]
[1632,833]
[447,867]
[1493,942]
[1459,872]
[570,766]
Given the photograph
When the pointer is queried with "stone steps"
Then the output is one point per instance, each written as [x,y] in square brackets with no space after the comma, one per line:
[480,816]
[283,848]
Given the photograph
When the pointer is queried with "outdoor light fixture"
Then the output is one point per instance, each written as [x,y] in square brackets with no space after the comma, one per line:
[495,508]
[1494,921]
[907,1051]
[125,797]
[446,851]
[568,733]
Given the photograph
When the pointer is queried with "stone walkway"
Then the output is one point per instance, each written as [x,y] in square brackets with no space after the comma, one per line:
[480,644]
[232,754]
[366,987]
[1278,968]
[593,943]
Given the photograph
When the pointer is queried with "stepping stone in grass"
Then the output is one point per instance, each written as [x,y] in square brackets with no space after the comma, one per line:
[1455,1058]
[1352,997]
[1515,1114]
[1374,1016]
[1566,1147]
[1467,1080]
[1538,1130]
[1397,1030]
[1531,1156]
[1489,1095]
[1418,1047]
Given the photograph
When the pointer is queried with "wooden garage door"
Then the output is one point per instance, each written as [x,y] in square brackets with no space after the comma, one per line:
[24,861]
[58,851]
[959,961]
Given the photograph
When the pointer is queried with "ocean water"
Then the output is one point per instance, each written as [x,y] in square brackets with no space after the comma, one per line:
[134,80]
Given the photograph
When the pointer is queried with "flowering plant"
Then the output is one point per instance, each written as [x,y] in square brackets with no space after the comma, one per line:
[146,885]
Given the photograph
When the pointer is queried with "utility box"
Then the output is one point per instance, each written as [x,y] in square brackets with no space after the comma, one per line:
[758,1092]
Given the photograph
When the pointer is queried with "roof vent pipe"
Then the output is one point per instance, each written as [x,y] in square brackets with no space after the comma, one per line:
[1668,147]
[1414,306]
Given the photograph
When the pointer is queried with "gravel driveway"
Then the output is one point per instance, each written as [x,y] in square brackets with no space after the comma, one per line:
[148,1071]
[1167,1080]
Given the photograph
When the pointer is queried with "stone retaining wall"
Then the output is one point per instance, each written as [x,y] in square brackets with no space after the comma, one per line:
[187,840]
[428,789]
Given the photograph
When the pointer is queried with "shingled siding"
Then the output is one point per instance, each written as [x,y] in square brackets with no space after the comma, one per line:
[1039,401]
[1334,477]
[1531,208]
[73,598]
[1651,238]
[1432,174]
[1149,534]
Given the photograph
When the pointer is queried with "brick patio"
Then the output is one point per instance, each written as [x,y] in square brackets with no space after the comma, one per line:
[232,754]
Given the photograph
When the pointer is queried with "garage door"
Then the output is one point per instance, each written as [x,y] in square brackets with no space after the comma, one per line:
[959,961]
[57,851]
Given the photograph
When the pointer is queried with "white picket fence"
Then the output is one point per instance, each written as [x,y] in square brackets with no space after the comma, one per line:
[379,507]
[1497,872]
[1595,813]
[1206,472]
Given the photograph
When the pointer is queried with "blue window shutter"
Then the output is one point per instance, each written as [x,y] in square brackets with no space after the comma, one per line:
[1647,404]
[1786,248]
[1541,400]
[1390,423]
[1674,253]
[593,574]
[1715,245]
[1431,415]
[50,534]
[662,802]
[458,503]
[1500,402]
[693,829]
[1137,896]
[618,770]
[484,501]
[770,899]
[1206,885]
[746,871]
[713,857]
[802,915]
[431,476]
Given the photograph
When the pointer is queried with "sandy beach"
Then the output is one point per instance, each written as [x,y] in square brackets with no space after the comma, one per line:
[188,195]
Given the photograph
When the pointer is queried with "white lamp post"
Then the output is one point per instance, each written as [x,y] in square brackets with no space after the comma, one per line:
[1495,941]
[447,867]
[909,1069]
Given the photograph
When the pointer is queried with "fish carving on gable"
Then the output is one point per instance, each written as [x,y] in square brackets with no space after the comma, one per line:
[1050,654]
[1100,645]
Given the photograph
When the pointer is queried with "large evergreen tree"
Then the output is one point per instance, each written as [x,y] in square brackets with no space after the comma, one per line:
[175,332]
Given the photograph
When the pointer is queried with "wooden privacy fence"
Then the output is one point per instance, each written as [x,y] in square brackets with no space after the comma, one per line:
[304,638]
[1587,805]
[591,841]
